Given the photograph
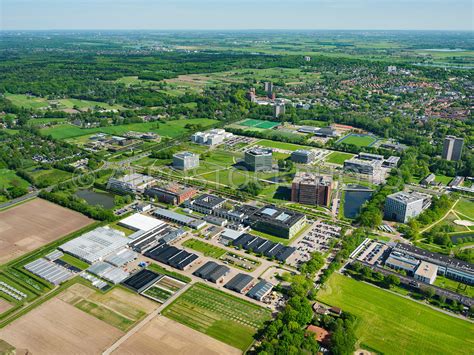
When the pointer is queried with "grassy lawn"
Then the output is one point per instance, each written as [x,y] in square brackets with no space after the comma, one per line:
[444,180]
[360,140]
[338,157]
[8,178]
[220,315]
[204,248]
[389,323]
[466,207]
[454,286]
[170,129]
[281,145]
[71,260]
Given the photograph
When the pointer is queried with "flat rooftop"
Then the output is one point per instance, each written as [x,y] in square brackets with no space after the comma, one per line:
[406,197]
[259,151]
[308,178]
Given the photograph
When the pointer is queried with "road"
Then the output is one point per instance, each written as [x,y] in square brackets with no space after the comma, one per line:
[145,321]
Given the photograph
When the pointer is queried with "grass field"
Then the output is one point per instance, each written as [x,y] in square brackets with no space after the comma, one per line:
[222,316]
[281,145]
[26,101]
[71,260]
[389,323]
[360,140]
[205,248]
[50,176]
[32,102]
[444,180]
[338,157]
[170,129]
[455,286]
[259,124]
[8,178]
[466,208]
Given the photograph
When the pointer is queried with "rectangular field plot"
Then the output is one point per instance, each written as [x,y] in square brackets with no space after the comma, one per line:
[391,324]
[259,124]
[360,140]
[222,316]
[33,224]
[118,308]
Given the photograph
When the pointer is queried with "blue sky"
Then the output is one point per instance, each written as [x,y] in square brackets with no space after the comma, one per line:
[236,14]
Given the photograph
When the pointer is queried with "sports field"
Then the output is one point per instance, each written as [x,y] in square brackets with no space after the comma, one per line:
[170,129]
[360,140]
[389,323]
[31,225]
[222,316]
[259,124]
[338,157]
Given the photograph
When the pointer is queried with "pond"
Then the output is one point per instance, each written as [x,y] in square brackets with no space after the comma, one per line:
[95,198]
[355,197]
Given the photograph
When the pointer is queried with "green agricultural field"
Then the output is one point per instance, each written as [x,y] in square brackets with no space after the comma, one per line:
[105,314]
[8,178]
[220,315]
[158,293]
[86,104]
[338,157]
[204,248]
[169,129]
[388,322]
[360,140]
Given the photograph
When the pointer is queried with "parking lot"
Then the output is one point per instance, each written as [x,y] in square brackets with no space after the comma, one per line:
[319,238]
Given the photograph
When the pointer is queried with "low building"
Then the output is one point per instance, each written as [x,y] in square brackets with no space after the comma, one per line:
[302,156]
[321,335]
[370,156]
[131,183]
[212,137]
[206,203]
[426,272]
[213,272]
[277,221]
[259,159]
[367,167]
[185,161]
[95,245]
[172,193]
[139,221]
[452,268]
[327,132]
[457,181]
[402,206]
[311,189]
[239,282]
[260,290]
[428,180]
[179,218]
[399,261]
[391,162]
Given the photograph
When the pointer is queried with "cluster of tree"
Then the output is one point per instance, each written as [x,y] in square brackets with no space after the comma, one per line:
[342,328]
[438,208]
[73,202]
[12,192]
[347,246]
[286,333]
[252,188]
[365,273]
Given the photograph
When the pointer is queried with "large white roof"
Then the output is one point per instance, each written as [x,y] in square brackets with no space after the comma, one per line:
[139,221]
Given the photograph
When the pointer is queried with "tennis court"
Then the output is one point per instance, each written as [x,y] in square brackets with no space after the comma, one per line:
[259,124]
